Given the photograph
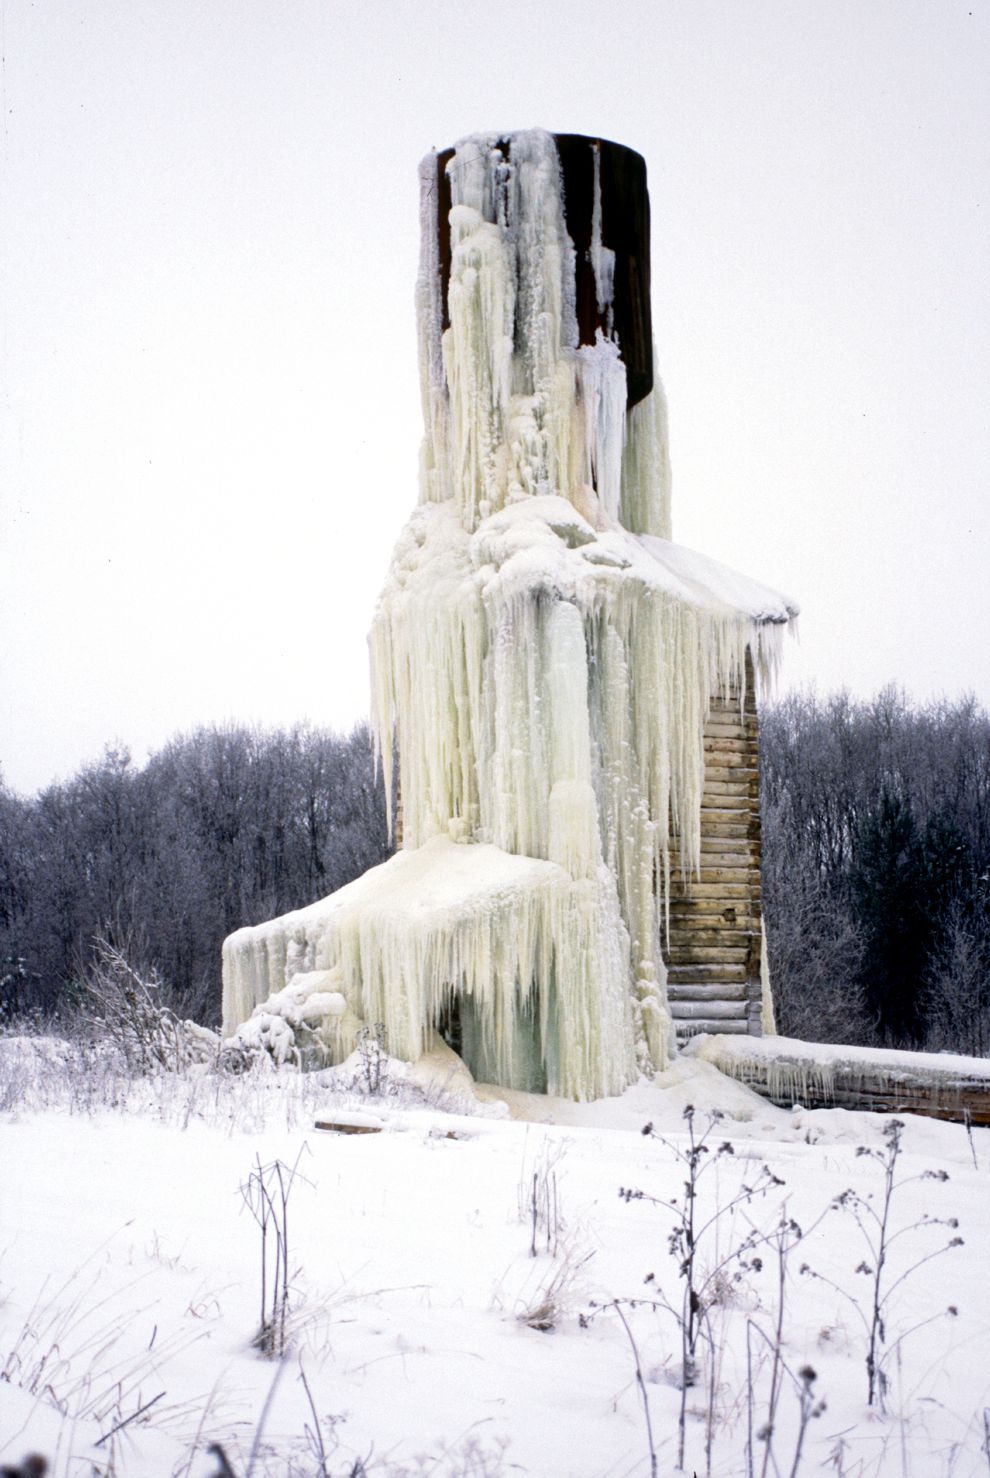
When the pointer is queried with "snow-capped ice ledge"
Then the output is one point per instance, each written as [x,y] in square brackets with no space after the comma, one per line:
[436,921]
[543,662]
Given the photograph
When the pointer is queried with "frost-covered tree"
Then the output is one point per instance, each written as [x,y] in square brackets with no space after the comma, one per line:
[886,881]
[956,1000]
[216,830]
[876,838]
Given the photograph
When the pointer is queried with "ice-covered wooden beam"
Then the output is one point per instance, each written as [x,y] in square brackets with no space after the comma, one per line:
[820,1075]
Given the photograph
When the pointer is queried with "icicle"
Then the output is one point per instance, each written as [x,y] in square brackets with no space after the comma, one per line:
[429,319]
[768,1020]
[645,505]
[602,258]
[602,381]
[576,669]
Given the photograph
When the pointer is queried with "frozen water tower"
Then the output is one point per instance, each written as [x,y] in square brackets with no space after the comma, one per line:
[570,694]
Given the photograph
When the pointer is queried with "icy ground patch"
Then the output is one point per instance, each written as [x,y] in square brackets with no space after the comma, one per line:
[128,1268]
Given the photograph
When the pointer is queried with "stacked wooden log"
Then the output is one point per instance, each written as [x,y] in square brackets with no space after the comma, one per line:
[714,943]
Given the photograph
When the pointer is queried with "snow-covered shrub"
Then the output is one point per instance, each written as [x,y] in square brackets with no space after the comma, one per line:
[706,1267]
[556,1294]
[266,1195]
[307,1025]
[29,1062]
[876,1223]
[125,1008]
[539,1197]
[372,1077]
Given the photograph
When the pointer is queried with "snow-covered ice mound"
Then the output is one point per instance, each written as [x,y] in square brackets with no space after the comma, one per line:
[447,918]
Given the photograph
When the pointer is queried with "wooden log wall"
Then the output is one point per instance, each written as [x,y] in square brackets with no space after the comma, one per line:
[714,945]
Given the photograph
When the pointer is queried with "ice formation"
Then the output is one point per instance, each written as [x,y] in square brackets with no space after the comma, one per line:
[788,1071]
[543,659]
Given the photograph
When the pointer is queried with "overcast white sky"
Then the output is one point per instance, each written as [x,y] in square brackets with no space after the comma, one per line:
[210,420]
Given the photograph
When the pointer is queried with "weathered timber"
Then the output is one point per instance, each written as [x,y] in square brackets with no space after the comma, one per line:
[724,912]
[724,891]
[718,970]
[716,991]
[717,745]
[713,949]
[706,1026]
[705,955]
[344,1128]
[711,913]
[733,874]
[717,828]
[693,942]
[873,1079]
[700,903]
[721,729]
[730,912]
[718,942]
[968,1105]
[710,1010]
[731,917]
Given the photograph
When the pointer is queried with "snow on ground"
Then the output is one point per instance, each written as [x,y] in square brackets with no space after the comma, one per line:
[129,1274]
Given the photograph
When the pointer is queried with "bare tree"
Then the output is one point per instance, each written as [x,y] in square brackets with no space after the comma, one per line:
[224,827]
[957,1000]
[876,837]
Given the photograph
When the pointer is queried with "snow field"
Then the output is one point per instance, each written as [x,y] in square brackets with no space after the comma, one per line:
[412,1262]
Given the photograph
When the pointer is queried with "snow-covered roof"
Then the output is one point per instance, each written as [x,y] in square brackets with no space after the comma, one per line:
[716,584]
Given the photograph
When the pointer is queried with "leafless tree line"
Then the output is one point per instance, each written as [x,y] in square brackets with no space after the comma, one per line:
[876,871]
[876,876]
[223,827]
